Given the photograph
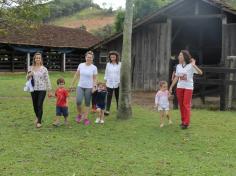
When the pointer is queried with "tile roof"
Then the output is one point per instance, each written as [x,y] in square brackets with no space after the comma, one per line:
[51,36]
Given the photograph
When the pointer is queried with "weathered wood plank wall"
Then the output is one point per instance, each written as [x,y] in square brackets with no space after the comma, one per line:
[229,45]
[151,53]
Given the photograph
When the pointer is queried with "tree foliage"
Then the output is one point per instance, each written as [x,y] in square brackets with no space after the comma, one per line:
[59,8]
[104,32]
[21,13]
[142,8]
[119,22]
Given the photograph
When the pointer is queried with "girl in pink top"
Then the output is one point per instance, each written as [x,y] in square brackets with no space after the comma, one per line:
[162,102]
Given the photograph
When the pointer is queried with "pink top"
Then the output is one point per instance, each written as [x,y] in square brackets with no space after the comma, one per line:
[162,99]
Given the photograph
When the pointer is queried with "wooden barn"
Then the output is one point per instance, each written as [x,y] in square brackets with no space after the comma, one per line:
[205,27]
[62,48]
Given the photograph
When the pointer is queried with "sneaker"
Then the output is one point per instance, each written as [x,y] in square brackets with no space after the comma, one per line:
[57,124]
[106,113]
[86,122]
[36,121]
[102,122]
[66,122]
[78,118]
[162,125]
[97,120]
[38,125]
[184,127]
[170,122]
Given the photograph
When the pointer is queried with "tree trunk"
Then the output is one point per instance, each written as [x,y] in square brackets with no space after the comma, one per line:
[124,109]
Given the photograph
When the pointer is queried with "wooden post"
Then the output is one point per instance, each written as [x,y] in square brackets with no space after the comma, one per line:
[196,10]
[12,64]
[223,55]
[28,61]
[223,93]
[232,62]
[63,65]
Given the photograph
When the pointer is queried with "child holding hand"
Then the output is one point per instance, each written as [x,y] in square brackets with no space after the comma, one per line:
[162,103]
[100,94]
[61,95]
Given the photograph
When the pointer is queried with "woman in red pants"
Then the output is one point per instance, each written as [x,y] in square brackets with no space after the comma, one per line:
[184,76]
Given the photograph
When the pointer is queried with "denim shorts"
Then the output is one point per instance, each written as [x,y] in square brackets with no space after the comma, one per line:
[62,111]
[100,106]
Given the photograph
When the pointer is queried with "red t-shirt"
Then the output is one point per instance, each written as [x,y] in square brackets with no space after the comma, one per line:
[61,94]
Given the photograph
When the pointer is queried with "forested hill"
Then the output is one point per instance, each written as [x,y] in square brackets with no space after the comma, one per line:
[101,22]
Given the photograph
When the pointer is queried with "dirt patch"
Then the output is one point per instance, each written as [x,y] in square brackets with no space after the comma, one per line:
[91,24]
[147,99]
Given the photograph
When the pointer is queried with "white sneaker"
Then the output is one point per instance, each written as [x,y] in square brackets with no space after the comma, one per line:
[97,120]
[102,121]
[161,125]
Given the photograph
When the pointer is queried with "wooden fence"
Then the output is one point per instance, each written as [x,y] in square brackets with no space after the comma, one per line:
[222,82]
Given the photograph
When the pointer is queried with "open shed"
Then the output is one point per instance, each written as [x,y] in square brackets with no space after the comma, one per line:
[62,48]
[205,27]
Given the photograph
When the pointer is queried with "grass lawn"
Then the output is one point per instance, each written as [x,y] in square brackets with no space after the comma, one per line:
[133,147]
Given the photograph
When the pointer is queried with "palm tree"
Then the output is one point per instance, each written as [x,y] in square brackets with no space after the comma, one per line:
[124,109]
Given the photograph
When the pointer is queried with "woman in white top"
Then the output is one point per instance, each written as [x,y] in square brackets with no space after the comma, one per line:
[112,78]
[184,76]
[41,84]
[87,75]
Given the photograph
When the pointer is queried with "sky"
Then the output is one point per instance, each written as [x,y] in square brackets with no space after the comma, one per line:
[115,4]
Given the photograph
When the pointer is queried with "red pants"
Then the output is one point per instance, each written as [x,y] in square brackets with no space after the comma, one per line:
[184,99]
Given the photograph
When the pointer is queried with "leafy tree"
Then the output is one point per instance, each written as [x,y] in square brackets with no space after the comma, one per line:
[104,32]
[59,8]
[125,109]
[119,22]
[142,8]
[21,13]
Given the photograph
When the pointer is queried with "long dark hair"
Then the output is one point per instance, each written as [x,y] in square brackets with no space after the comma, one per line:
[187,56]
[114,53]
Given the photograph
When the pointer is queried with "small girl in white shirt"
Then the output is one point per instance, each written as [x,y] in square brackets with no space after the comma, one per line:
[162,102]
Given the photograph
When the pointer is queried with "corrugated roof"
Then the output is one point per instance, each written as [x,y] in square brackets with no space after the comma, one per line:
[51,36]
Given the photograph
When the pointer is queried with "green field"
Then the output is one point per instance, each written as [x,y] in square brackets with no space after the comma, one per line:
[131,148]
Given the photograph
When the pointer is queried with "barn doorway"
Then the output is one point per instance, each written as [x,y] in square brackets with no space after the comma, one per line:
[202,37]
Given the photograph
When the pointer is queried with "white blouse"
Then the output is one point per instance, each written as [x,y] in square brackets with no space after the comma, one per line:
[112,75]
[41,79]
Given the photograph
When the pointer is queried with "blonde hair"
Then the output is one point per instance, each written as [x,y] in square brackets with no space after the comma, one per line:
[35,55]
[162,83]
[89,52]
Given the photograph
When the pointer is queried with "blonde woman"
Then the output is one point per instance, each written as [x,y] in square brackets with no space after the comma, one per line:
[41,84]
[87,76]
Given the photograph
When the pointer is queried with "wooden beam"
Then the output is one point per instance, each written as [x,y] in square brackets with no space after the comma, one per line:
[198,16]
[63,65]
[218,70]
[196,8]
[28,61]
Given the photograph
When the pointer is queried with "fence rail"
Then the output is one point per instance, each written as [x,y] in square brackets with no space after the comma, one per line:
[222,82]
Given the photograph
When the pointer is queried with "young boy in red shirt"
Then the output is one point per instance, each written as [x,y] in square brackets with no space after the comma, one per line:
[61,95]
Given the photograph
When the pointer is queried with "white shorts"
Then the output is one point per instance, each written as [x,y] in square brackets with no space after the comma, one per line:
[163,108]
